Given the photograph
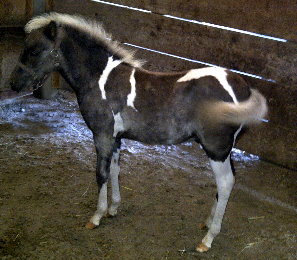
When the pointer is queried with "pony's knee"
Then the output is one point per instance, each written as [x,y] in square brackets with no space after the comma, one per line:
[116,200]
[101,179]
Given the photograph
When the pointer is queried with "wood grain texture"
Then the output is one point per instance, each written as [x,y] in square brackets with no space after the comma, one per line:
[266,58]
[12,12]
[271,17]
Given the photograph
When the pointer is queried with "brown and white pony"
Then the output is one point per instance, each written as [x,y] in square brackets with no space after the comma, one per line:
[119,99]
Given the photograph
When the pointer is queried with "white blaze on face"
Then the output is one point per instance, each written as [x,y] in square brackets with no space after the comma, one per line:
[219,73]
[131,97]
[118,124]
[111,64]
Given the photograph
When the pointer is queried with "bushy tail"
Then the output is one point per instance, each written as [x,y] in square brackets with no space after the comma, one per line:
[250,111]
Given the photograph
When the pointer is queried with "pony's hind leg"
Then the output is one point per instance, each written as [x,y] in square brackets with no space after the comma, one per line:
[104,147]
[213,209]
[208,222]
[114,177]
[217,143]
[225,181]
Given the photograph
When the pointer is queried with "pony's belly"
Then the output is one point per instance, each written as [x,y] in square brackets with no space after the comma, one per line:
[150,135]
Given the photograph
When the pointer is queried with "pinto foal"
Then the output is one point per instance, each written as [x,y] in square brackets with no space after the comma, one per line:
[118,99]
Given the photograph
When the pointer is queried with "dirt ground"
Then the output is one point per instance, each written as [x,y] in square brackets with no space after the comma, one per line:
[48,192]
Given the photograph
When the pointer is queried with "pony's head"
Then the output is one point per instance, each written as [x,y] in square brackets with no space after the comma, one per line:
[39,58]
[51,33]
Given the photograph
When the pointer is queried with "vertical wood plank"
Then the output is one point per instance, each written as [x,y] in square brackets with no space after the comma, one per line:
[29,9]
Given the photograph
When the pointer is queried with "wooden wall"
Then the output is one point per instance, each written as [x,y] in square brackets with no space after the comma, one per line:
[275,60]
[14,14]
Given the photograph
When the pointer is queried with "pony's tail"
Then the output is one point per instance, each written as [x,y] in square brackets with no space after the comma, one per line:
[250,111]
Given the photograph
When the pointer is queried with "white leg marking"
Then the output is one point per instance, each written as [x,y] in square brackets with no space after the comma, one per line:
[213,210]
[114,176]
[131,97]
[118,124]
[225,181]
[111,64]
[219,73]
[101,206]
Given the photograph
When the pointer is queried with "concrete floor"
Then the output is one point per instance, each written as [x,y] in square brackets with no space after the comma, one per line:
[48,192]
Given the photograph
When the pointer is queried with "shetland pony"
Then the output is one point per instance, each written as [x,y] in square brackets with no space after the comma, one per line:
[119,99]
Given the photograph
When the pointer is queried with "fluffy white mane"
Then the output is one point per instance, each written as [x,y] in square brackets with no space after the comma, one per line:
[93,28]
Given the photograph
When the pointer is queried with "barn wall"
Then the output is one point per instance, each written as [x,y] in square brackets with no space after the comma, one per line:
[272,17]
[14,14]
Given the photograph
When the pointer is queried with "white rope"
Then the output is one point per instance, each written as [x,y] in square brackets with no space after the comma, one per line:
[11,100]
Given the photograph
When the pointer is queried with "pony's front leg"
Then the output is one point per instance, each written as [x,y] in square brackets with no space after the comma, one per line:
[114,177]
[104,146]
[225,181]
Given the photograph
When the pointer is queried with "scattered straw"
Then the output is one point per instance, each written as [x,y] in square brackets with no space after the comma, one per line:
[182,251]
[16,237]
[255,218]
[127,188]
[249,245]
[86,190]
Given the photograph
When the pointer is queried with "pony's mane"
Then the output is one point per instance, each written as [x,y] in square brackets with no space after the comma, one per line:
[90,27]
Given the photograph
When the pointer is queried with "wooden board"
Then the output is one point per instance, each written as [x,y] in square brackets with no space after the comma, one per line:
[12,12]
[271,17]
[272,143]
[15,13]
[270,59]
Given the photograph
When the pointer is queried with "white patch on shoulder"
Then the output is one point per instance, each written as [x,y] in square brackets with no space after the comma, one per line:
[111,64]
[219,73]
[131,97]
[118,124]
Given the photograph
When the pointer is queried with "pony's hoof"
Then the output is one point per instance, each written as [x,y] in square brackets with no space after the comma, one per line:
[202,248]
[109,215]
[112,212]
[202,226]
[90,225]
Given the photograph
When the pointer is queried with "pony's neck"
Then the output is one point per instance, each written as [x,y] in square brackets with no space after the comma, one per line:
[84,60]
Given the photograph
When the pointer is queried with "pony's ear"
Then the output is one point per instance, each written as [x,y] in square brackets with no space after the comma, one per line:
[50,31]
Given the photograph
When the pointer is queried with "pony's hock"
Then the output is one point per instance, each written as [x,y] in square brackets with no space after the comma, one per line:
[119,99]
